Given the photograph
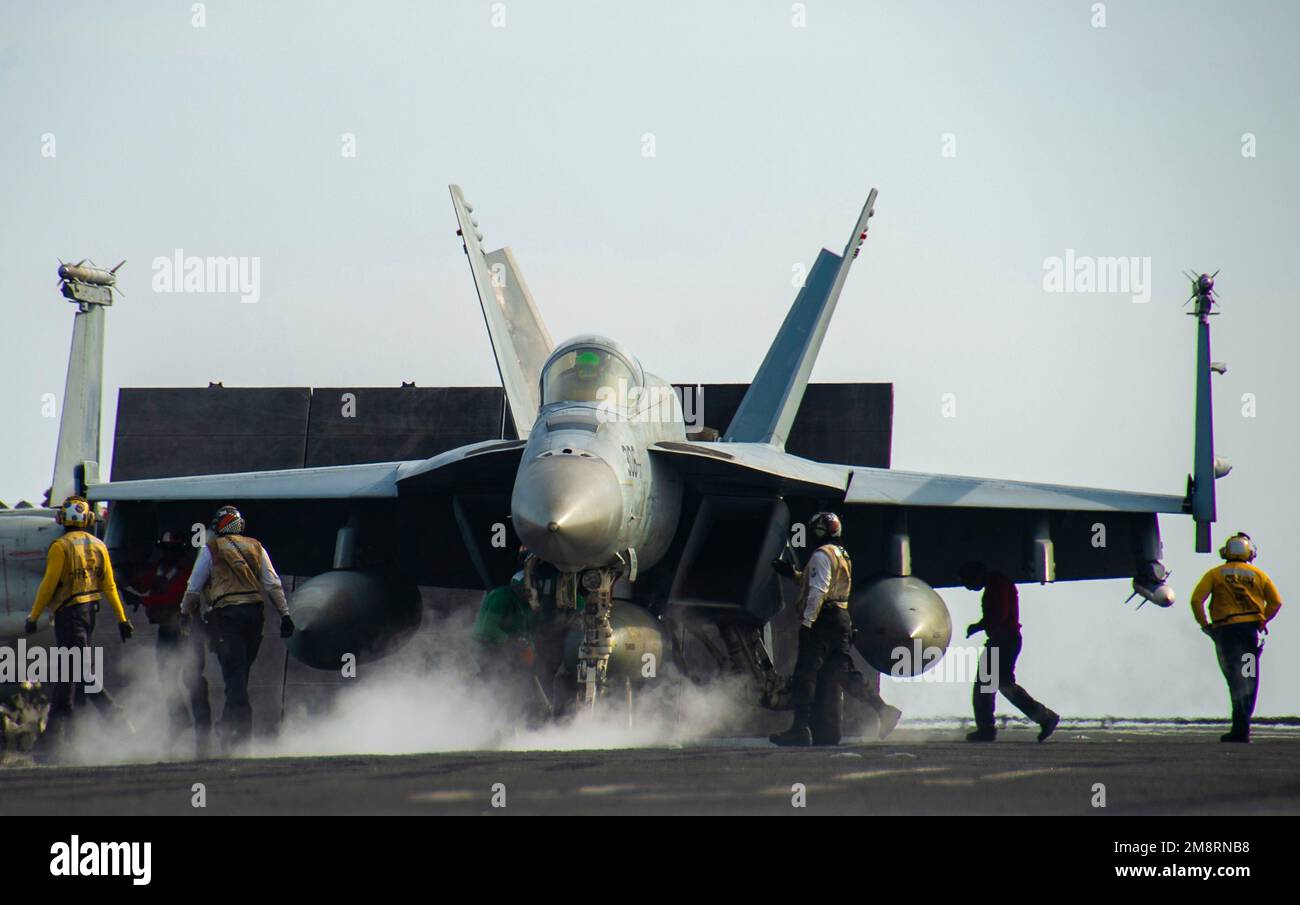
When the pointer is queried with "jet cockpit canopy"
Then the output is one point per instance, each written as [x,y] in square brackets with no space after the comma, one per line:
[590,369]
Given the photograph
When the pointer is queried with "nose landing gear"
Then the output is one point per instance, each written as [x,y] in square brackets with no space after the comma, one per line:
[597,637]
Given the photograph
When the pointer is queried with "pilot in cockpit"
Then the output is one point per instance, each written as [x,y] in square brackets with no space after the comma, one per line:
[579,376]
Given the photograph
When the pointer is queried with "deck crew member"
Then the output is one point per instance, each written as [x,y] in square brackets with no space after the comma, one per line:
[78,575]
[1243,600]
[159,587]
[825,633]
[1000,624]
[237,574]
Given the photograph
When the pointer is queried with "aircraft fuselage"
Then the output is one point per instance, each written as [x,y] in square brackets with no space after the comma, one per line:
[588,494]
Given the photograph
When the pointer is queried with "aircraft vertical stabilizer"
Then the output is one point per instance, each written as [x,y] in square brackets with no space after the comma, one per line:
[520,340]
[768,410]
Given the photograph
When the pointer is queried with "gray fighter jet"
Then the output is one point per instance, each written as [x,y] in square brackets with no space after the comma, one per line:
[659,531]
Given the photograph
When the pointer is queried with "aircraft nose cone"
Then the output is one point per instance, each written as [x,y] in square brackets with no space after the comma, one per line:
[568,510]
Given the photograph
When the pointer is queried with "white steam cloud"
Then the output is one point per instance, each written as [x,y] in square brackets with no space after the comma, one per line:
[427,697]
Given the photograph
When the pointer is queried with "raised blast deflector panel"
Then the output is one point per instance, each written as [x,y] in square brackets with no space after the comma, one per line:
[350,425]
[169,432]
[845,423]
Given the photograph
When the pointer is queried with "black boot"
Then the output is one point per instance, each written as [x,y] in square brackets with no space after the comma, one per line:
[794,737]
[1240,731]
[986,734]
[798,735]
[1047,725]
[888,717]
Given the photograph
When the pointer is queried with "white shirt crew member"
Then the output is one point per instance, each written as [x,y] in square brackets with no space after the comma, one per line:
[818,577]
[267,575]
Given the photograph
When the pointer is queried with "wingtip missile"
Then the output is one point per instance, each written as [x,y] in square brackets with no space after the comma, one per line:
[91,276]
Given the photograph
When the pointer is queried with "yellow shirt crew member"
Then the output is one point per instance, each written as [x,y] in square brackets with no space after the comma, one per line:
[1243,600]
[78,574]
[1239,592]
[77,571]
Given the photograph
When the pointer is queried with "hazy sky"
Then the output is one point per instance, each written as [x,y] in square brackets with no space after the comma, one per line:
[999,134]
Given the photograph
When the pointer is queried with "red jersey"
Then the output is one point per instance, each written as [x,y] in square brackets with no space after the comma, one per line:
[162,584]
[1001,602]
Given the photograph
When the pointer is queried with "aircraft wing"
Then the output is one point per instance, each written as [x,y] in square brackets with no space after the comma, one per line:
[435,520]
[884,486]
[755,466]
[375,481]
[1091,532]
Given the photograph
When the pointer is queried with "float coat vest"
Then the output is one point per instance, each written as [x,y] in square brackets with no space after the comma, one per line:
[837,594]
[84,556]
[236,570]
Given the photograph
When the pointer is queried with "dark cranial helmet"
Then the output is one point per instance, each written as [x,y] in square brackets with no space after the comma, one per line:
[824,525]
[227,520]
[171,541]
[973,574]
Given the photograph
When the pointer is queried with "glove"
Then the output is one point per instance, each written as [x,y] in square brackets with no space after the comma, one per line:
[1208,631]
[782,568]
[972,629]
[286,626]
[126,630]
[29,626]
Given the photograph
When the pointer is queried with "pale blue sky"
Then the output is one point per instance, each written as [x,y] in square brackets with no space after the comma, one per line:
[1123,140]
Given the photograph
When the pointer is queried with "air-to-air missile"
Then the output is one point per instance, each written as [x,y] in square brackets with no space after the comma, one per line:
[95,276]
[88,284]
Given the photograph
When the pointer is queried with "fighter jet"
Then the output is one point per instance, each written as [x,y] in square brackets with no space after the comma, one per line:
[660,531]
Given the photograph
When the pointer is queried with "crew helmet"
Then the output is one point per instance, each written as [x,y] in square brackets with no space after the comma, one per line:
[227,520]
[171,541]
[824,525]
[75,512]
[1238,548]
[518,584]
